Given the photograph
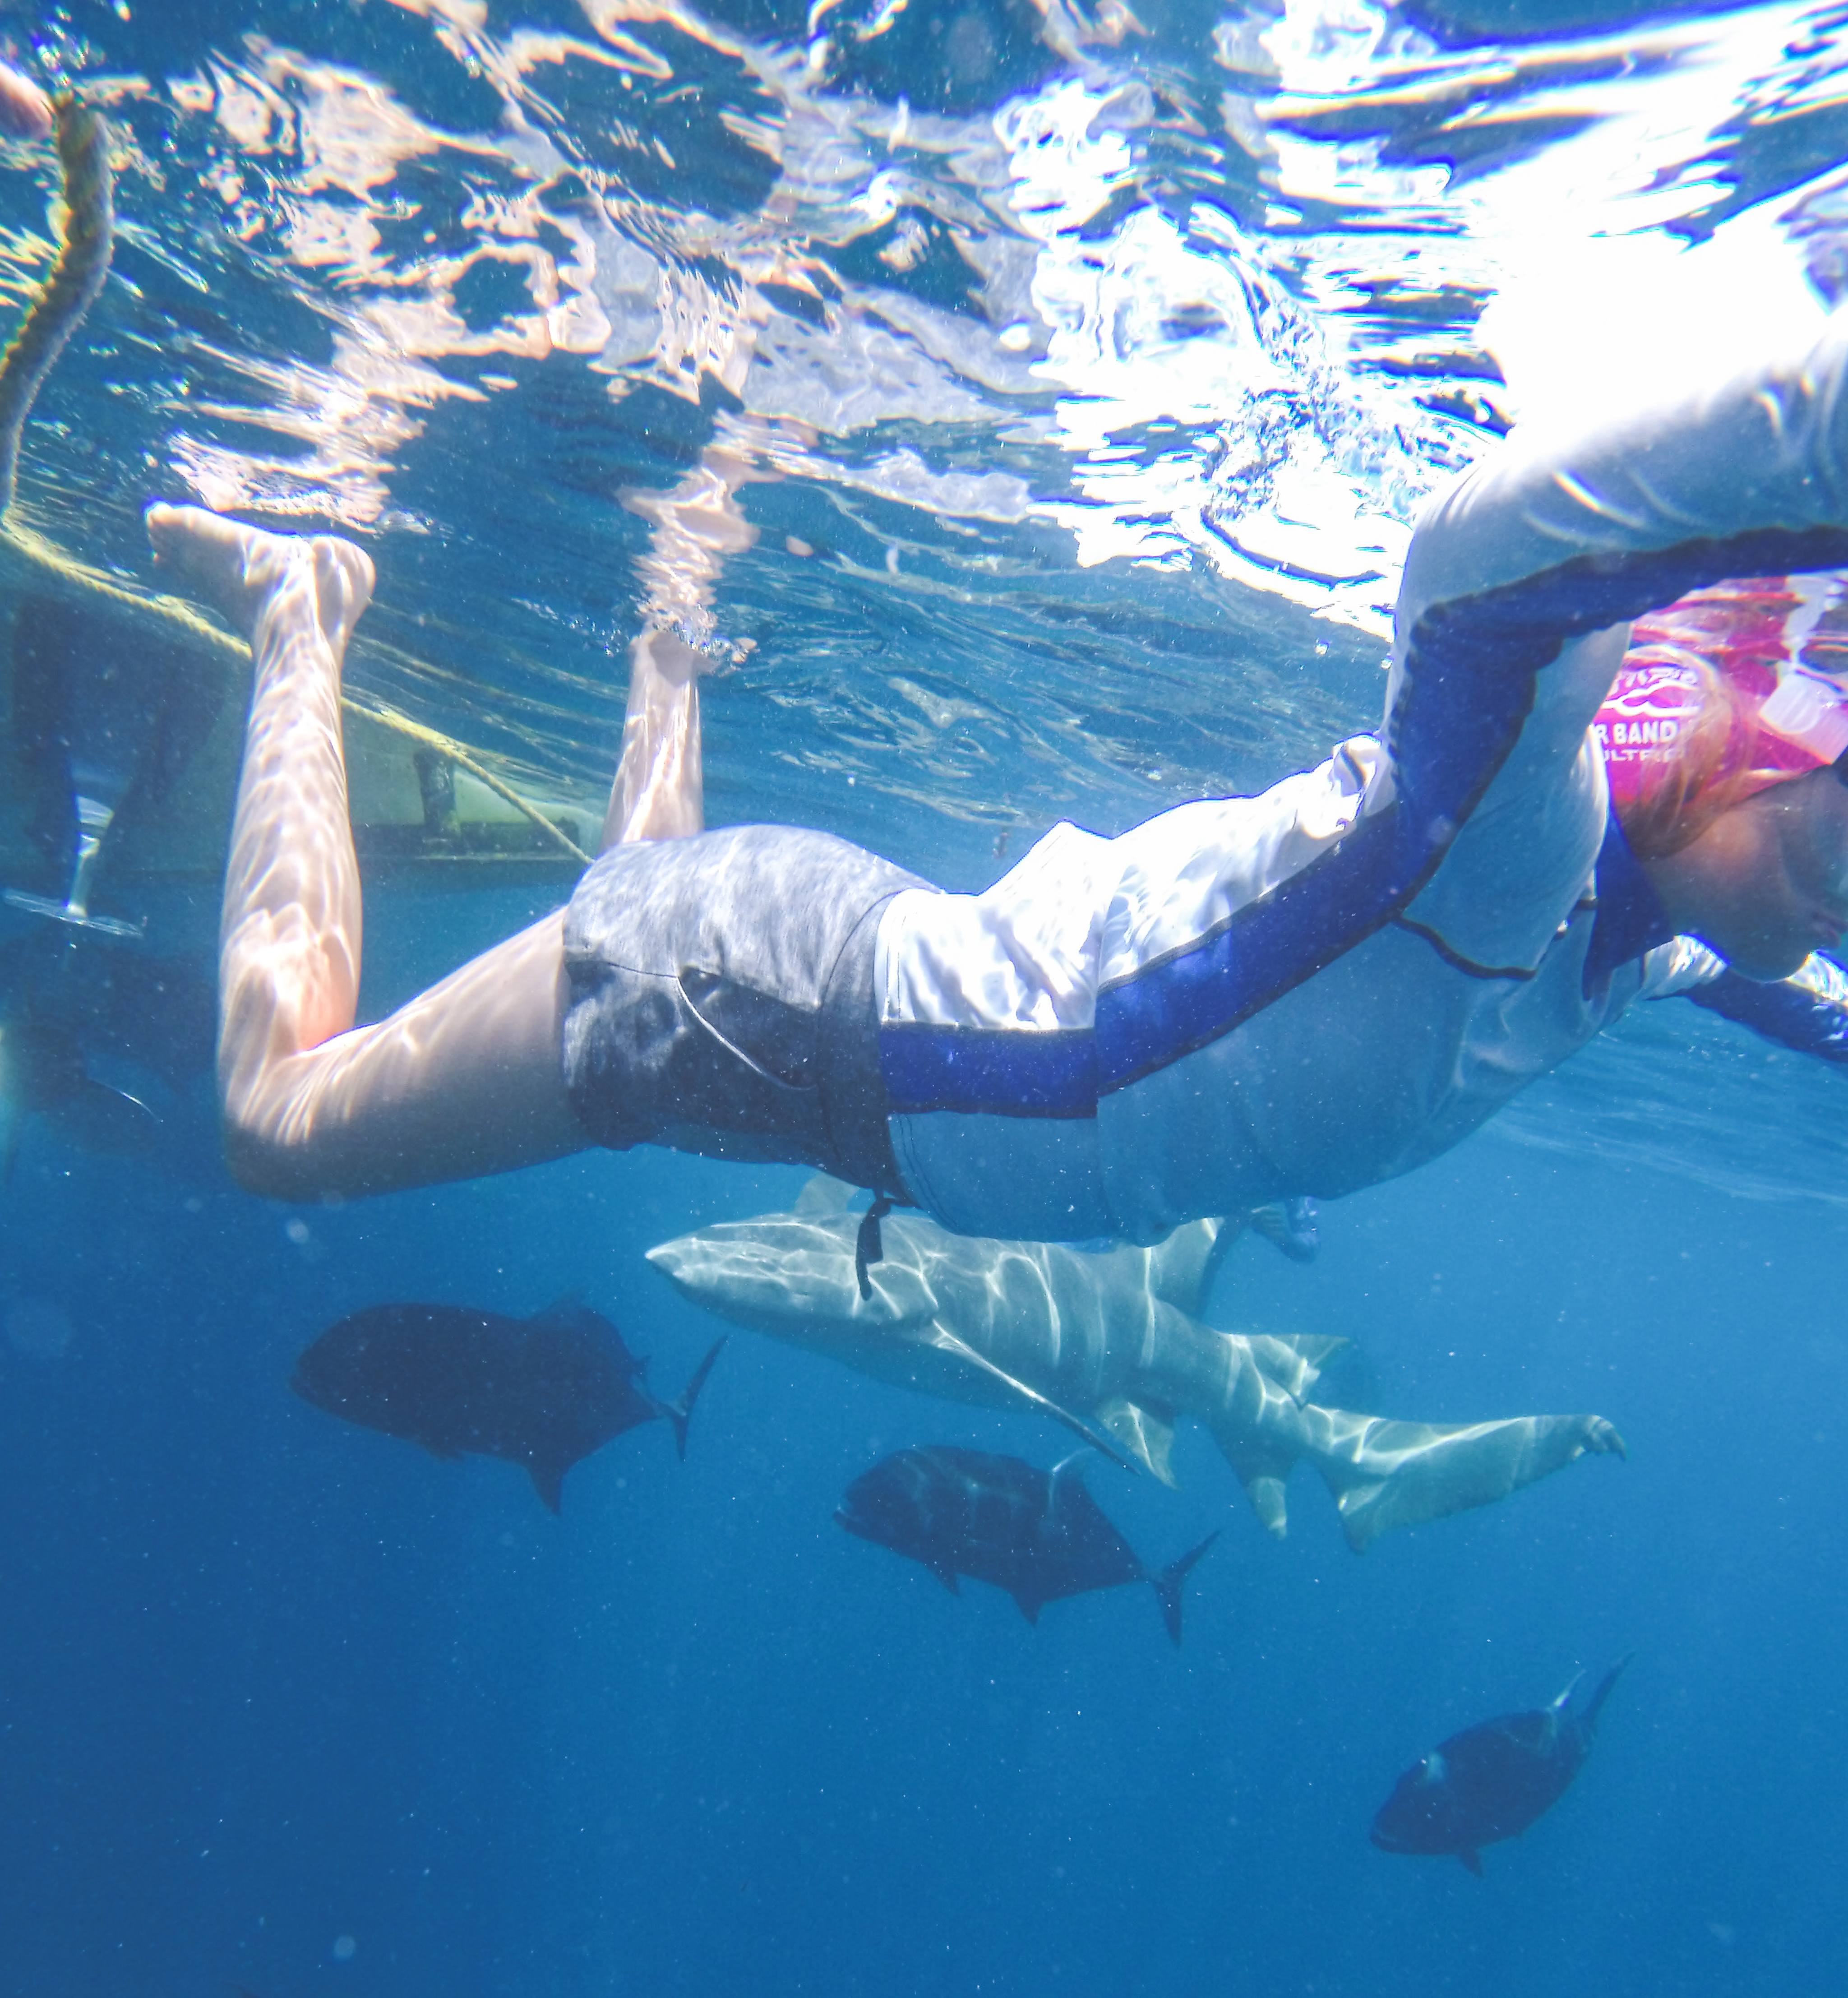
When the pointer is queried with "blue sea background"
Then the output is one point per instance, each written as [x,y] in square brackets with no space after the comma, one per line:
[287,1706]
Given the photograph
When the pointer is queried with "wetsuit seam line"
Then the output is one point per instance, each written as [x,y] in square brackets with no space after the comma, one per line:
[1456,960]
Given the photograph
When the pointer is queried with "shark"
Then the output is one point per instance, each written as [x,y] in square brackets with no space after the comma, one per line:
[1110,1342]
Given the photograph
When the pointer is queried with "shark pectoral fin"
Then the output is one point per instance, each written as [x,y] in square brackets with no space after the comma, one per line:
[549,1482]
[824,1195]
[1147,1437]
[680,1413]
[948,1342]
[946,1574]
[1470,1859]
[1167,1585]
[1030,1607]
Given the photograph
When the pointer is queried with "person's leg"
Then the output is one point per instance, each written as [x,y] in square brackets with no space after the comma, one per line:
[657,793]
[466,1079]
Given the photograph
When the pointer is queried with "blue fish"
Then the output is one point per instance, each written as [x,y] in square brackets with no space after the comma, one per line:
[1492,1781]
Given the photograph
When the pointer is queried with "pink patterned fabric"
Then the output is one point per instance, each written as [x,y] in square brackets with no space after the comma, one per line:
[1764,657]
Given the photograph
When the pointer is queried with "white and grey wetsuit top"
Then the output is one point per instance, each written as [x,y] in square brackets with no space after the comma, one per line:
[1315,989]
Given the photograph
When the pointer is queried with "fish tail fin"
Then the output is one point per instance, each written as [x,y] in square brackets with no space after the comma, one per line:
[1588,1720]
[1167,1585]
[680,1413]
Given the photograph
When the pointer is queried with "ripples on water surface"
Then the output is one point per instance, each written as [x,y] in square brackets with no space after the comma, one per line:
[1022,404]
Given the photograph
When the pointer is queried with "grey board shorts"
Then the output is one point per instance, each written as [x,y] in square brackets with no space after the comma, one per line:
[722,1001]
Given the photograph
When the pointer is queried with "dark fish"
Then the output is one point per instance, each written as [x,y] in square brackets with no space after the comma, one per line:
[43,1073]
[1039,1535]
[115,999]
[543,1392]
[1492,1781]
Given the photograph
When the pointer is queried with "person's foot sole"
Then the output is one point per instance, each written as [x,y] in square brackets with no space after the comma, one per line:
[236,568]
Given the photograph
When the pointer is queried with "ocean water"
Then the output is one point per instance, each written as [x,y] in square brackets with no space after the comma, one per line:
[1075,371]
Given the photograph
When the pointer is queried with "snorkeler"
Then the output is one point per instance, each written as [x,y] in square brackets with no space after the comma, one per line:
[1240,1001]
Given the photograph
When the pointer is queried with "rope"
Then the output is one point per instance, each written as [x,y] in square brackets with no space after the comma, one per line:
[83,263]
[433,738]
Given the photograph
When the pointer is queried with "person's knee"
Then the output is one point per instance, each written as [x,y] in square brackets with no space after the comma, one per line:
[271,1149]
[262,1164]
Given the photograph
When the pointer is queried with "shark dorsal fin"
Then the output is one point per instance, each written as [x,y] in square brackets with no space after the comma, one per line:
[824,1195]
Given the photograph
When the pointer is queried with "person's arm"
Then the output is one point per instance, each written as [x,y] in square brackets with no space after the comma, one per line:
[1807,1011]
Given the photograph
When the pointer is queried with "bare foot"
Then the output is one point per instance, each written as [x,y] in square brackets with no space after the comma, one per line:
[238,569]
[25,109]
[669,656]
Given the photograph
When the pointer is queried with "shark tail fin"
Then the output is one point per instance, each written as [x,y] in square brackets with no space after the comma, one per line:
[1588,1720]
[1383,1473]
[1167,1585]
[680,1413]
[1182,1268]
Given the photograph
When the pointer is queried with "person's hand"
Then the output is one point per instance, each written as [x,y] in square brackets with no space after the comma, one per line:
[25,109]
